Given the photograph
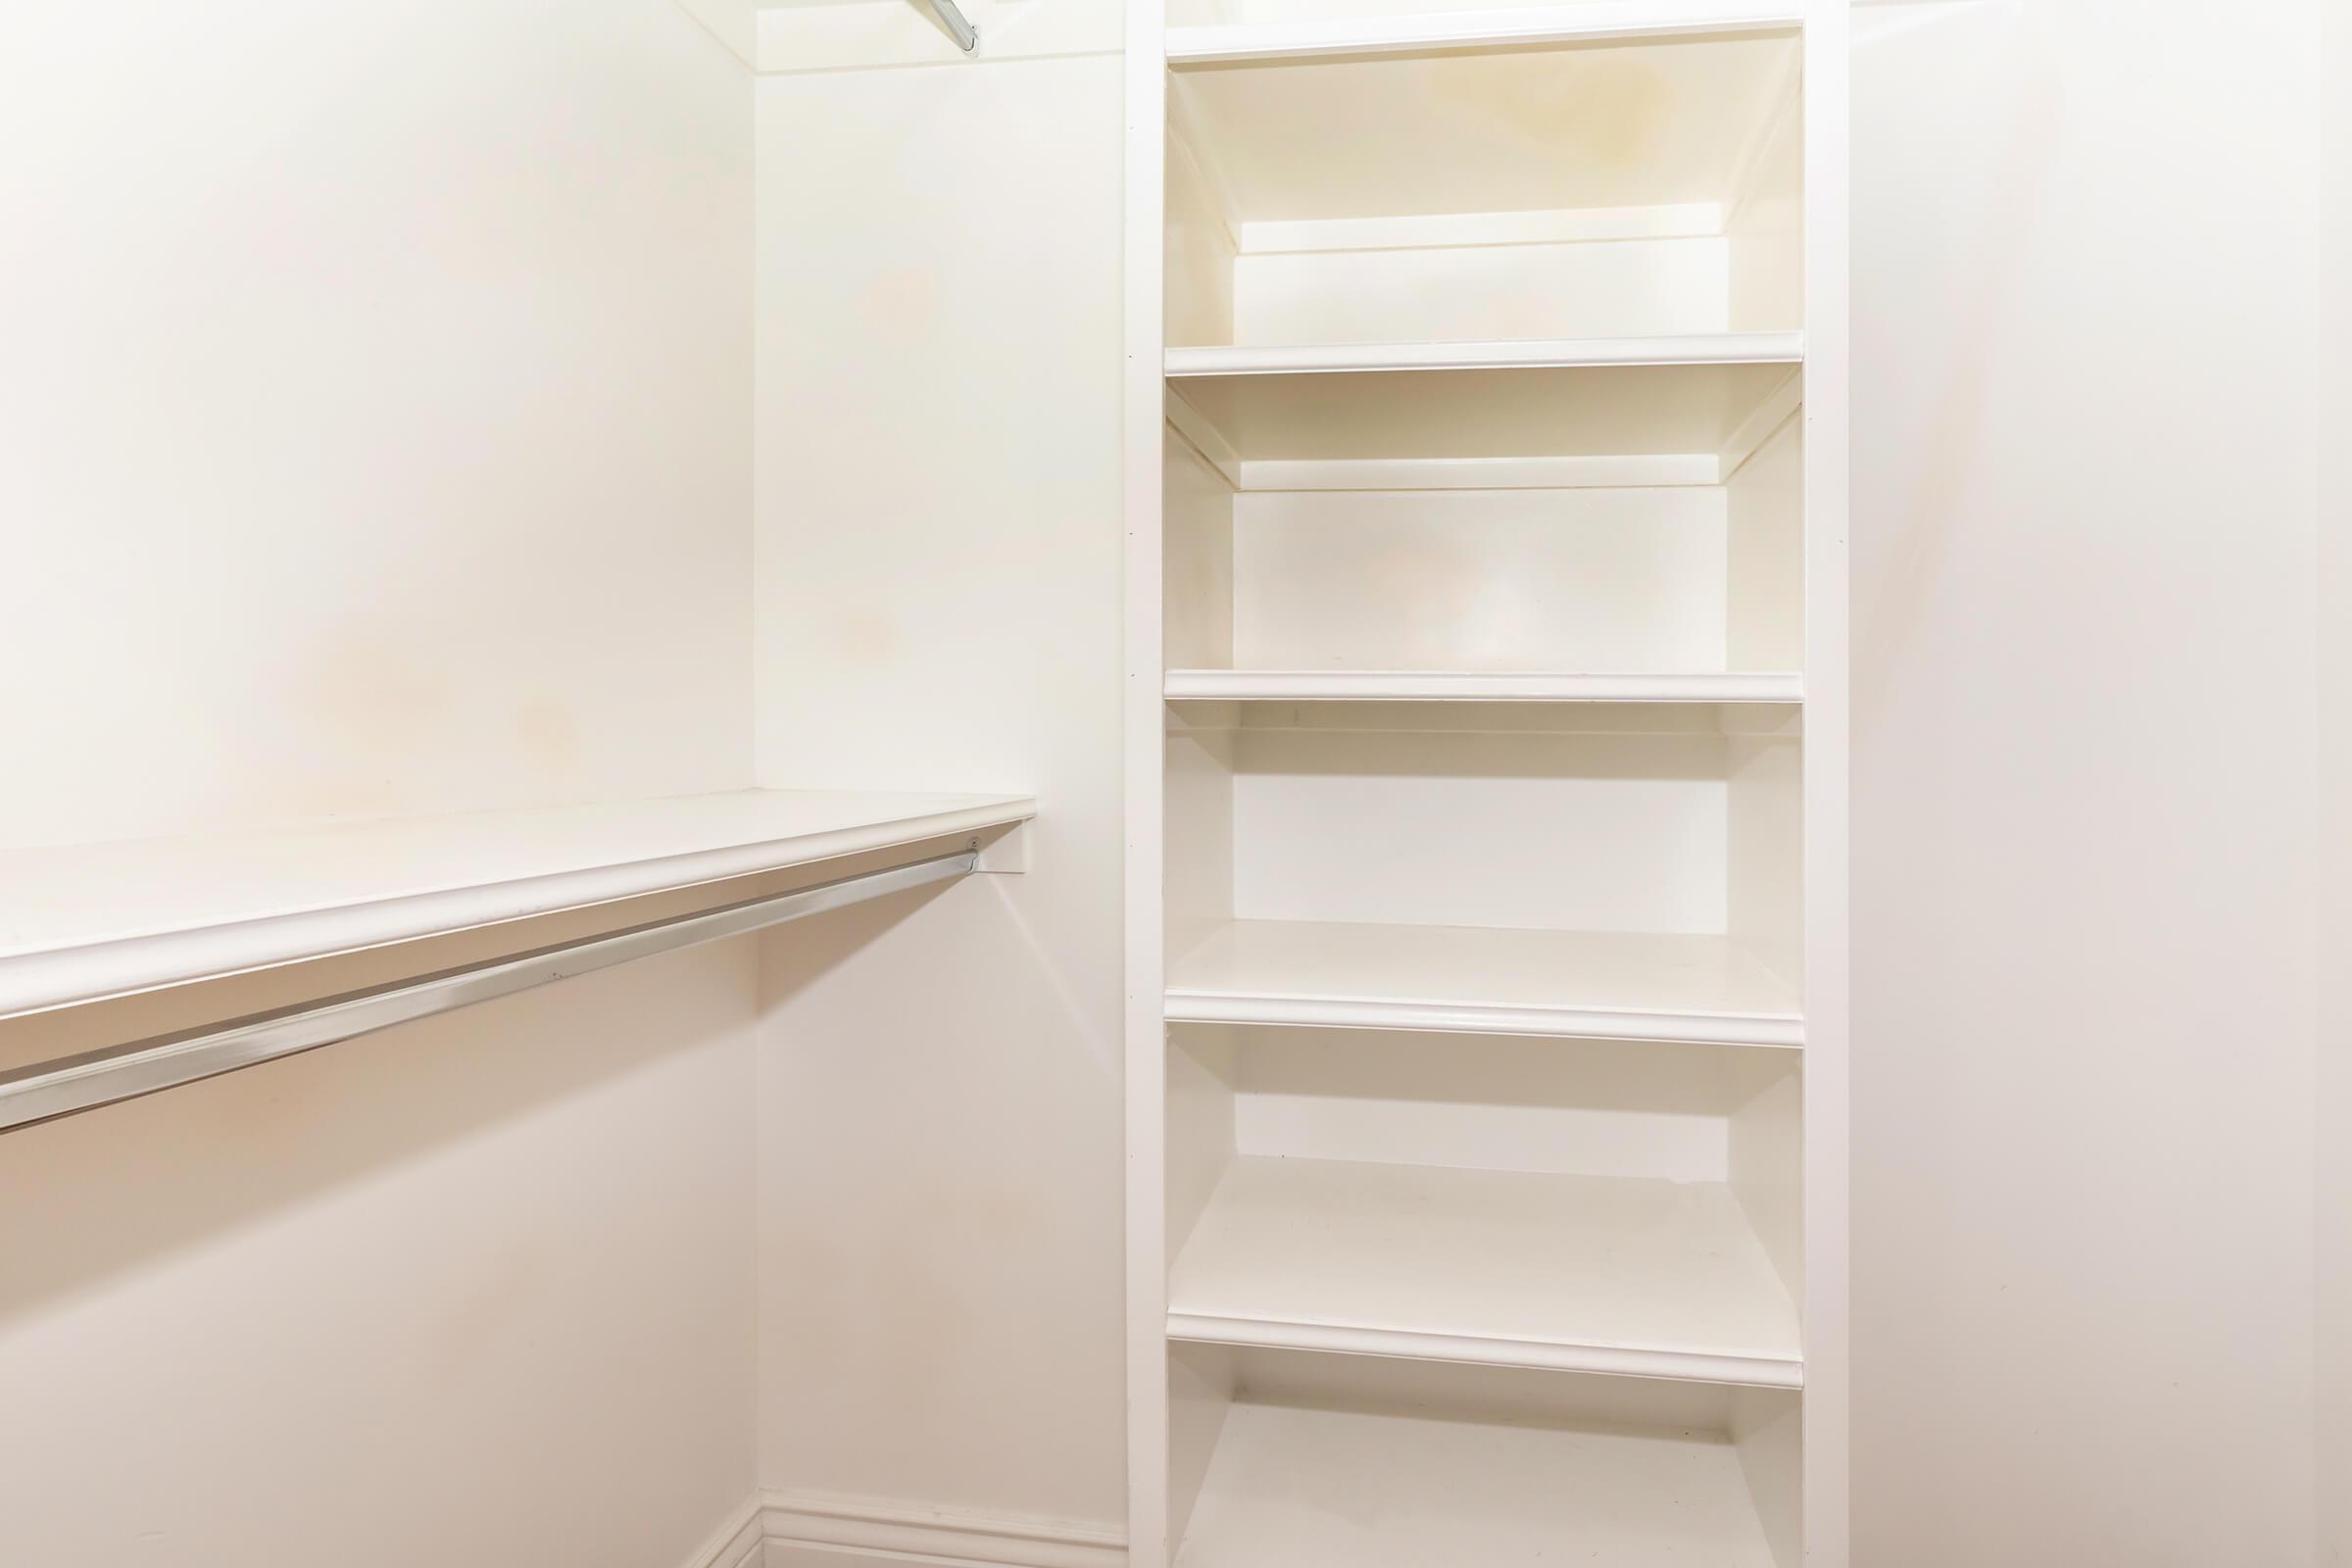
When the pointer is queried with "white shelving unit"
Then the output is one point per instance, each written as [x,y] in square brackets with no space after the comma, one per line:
[1487,749]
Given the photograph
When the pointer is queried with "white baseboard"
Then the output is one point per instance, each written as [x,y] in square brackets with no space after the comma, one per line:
[736,1543]
[811,1530]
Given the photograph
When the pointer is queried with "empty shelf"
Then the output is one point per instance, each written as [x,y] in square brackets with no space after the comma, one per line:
[1301,1487]
[1620,1275]
[1350,359]
[89,921]
[1475,686]
[1586,983]
[1401,117]
[1611,398]
[1523,26]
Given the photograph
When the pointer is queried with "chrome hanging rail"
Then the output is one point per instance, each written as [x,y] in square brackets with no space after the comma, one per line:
[966,36]
[48,1090]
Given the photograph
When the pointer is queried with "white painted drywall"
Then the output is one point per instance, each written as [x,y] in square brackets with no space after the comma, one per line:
[939,596]
[2332,1104]
[476,1290]
[2084,286]
[374,422]
[375,415]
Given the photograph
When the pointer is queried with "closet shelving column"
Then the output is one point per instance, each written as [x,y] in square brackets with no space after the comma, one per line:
[1486,747]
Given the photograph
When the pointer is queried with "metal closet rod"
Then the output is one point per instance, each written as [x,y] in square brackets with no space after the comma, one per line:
[966,36]
[47,1090]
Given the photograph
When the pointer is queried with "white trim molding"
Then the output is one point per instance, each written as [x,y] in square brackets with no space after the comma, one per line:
[1477,686]
[737,1543]
[1564,1022]
[786,1529]
[1535,354]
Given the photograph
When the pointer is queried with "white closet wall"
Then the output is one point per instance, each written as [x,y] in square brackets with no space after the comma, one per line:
[377,436]
[938,587]
[2085,854]
[2332,1104]
[374,437]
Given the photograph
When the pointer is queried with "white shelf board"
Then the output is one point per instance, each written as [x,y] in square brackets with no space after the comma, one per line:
[1427,116]
[1595,985]
[1520,26]
[1476,686]
[1332,359]
[1568,398]
[88,920]
[1619,1275]
[1295,1486]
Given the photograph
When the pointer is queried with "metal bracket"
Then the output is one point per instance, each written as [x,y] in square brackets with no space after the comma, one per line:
[1004,852]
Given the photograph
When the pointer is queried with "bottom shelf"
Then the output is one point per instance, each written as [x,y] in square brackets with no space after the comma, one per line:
[1360,1463]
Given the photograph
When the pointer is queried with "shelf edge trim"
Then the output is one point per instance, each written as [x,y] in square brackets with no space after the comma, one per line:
[1546,1355]
[1410,686]
[37,980]
[1460,1017]
[1539,354]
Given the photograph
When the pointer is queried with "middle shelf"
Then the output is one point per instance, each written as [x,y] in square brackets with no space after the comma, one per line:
[1573,870]
[1621,533]
[1608,1206]
[1649,406]
[1594,985]
[1479,686]
[1638,1277]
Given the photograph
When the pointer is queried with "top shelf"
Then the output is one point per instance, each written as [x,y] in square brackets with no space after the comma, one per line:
[1518,27]
[92,920]
[1430,117]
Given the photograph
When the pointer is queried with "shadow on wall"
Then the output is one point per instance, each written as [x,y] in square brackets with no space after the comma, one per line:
[102,1195]
[792,967]
[940,1276]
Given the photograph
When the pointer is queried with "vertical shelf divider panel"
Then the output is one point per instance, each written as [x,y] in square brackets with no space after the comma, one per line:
[1145,1055]
[1825,1439]
[1486,749]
